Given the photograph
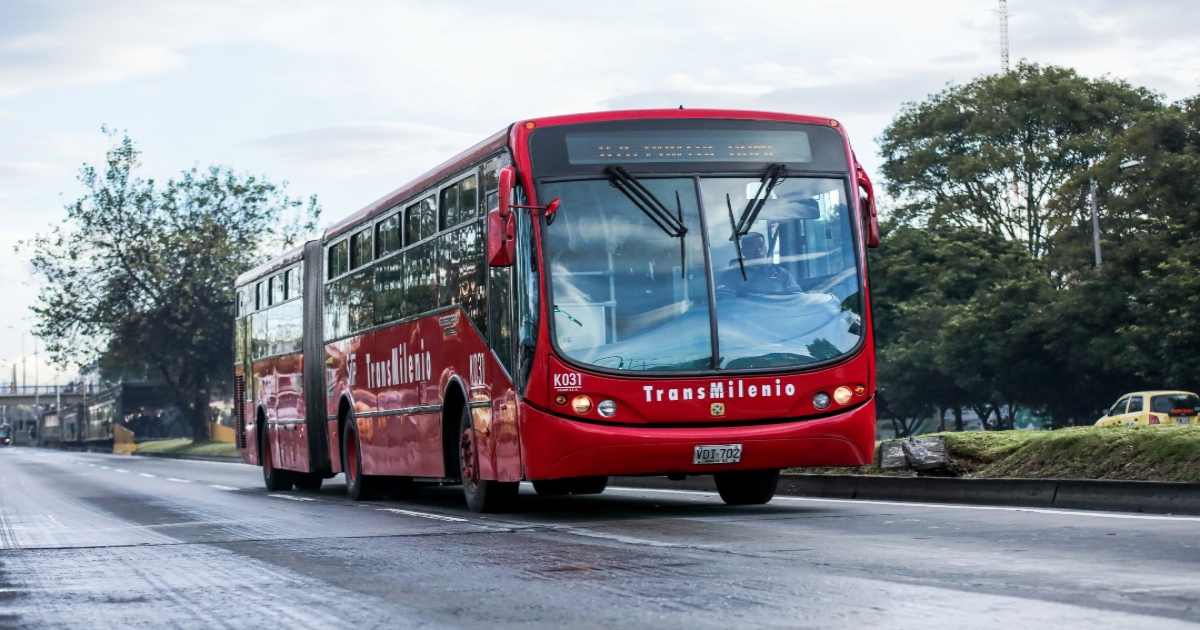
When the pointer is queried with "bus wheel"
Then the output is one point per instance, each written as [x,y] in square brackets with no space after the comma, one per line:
[276,480]
[747,487]
[577,485]
[482,496]
[360,487]
[309,481]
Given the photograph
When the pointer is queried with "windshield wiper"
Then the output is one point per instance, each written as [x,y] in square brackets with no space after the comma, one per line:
[775,173]
[654,209]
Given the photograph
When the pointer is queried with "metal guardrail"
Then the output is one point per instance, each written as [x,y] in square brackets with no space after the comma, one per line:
[43,390]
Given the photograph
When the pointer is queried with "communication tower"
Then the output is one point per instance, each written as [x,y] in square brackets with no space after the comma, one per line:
[1004,36]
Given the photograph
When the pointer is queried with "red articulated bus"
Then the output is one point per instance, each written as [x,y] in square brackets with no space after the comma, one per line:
[659,292]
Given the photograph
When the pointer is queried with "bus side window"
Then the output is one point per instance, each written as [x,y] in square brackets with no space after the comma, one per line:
[360,248]
[339,260]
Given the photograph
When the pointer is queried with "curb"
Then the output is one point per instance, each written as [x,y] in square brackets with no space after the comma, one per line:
[1151,497]
[199,458]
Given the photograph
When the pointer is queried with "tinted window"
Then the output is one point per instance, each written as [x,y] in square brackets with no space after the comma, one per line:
[464,271]
[1135,404]
[1119,407]
[420,221]
[339,260]
[360,249]
[361,300]
[449,206]
[468,198]
[389,289]
[387,236]
[278,293]
[491,180]
[1186,403]
[295,283]
[459,202]
[337,309]
[420,278]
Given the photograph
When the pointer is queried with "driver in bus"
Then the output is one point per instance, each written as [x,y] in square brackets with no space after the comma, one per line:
[762,277]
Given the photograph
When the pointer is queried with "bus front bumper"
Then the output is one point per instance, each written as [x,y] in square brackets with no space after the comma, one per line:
[554,447]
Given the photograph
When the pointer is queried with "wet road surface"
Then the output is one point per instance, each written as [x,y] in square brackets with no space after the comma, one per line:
[89,540]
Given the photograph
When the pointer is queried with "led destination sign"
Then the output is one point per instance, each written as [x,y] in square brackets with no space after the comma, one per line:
[688,145]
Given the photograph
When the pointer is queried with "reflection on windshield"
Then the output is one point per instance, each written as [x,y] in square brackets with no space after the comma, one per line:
[617,276]
[626,296]
[792,299]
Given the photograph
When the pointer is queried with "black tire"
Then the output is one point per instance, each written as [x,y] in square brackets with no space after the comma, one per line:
[576,485]
[482,496]
[747,487]
[309,482]
[360,487]
[275,479]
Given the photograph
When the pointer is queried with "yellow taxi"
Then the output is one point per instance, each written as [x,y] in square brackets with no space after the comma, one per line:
[1161,407]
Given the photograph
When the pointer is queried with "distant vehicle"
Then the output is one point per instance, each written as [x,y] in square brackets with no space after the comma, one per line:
[5,435]
[1156,407]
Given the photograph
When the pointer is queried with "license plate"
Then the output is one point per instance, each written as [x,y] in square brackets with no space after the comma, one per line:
[720,454]
[1183,420]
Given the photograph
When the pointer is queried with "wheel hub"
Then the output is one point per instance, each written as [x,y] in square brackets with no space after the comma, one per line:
[466,458]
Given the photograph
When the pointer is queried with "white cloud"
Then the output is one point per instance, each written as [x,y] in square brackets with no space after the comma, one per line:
[364,148]
[32,170]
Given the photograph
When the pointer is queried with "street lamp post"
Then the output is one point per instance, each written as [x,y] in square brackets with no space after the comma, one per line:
[1095,221]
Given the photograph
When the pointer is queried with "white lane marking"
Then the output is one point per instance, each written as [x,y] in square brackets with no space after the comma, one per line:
[436,517]
[106,468]
[120,470]
[220,487]
[290,497]
[947,506]
[179,480]
[146,475]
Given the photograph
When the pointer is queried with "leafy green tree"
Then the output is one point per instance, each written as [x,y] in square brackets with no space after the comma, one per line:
[939,345]
[1152,248]
[994,153]
[141,274]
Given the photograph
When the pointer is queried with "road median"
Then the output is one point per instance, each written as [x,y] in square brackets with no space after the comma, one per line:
[1150,497]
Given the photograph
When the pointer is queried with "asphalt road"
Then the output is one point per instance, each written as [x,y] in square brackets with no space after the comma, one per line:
[91,540]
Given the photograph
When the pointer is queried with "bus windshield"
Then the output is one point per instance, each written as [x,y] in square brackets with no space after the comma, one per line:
[635,291]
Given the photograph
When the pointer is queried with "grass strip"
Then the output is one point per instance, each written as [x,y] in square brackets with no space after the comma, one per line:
[1137,453]
[185,446]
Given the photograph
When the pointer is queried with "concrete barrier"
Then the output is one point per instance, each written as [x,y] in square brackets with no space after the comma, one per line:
[123,441]
[1151,497]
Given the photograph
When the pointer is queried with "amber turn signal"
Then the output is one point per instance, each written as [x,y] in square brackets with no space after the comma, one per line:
[581,404]
[859,390]
[842,395]
[560,399]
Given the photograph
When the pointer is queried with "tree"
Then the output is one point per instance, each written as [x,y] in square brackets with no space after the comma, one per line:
[940,335]
[141,275]
[995,153]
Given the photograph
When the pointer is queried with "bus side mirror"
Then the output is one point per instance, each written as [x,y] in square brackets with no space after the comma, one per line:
[870,216]
[501,239]
[501,223]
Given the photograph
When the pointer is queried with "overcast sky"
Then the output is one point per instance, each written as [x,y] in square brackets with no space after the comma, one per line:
[349,100]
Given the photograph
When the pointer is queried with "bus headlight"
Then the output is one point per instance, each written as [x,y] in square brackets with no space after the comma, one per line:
[821,400]
[842,395]
[581,404]
[607,408]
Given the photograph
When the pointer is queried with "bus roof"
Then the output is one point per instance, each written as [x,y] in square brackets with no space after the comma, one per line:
[495,143]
